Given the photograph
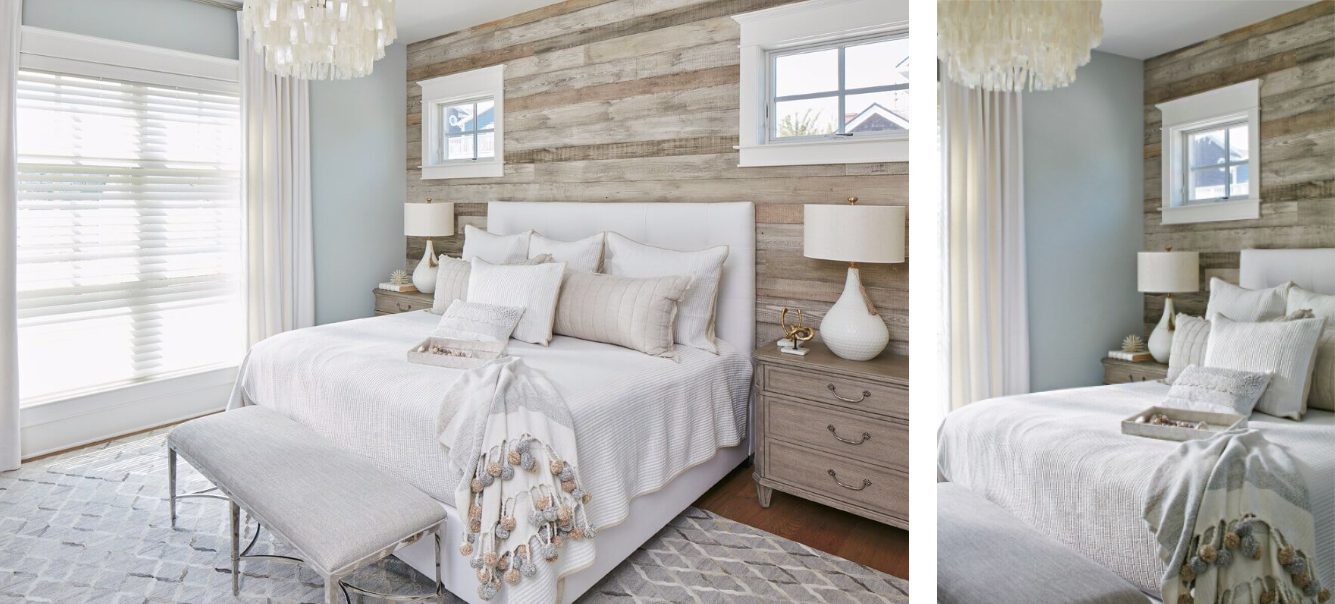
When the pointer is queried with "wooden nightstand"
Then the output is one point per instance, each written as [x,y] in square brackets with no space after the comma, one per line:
[1121,372]
[389,303]
[834,431]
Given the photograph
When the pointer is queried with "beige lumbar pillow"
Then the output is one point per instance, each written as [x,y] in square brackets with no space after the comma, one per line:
[1322,306]
[625,257]
[634,313]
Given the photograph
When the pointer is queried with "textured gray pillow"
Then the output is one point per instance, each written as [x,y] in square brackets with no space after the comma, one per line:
[1189,342]
[1242,304]
[474,321]
[634,313]
[1322,306]
[1217,389]
[1284,349]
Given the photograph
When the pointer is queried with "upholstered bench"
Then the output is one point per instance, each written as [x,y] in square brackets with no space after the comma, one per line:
[984,554]
[334,507]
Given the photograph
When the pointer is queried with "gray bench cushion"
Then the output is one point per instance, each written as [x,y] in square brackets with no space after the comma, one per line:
[334,506]
[984,554]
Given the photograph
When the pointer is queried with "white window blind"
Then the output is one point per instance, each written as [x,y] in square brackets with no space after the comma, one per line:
[129,233]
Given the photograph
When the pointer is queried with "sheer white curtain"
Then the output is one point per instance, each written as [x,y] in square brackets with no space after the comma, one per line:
[10,17]
[987,309]
[280,266]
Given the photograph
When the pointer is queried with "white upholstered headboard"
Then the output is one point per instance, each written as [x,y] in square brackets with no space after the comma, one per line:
[681,226]
[1312,269]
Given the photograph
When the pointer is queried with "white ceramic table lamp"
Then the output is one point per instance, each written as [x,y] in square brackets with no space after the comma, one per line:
[1166,272]
[427,220]
[852,233]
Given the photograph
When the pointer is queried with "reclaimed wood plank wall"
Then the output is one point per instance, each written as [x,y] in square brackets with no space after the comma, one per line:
[1294,56]
[637,100]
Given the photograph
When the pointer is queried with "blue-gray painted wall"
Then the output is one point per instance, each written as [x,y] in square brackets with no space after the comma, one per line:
[357,139]
[1083,193]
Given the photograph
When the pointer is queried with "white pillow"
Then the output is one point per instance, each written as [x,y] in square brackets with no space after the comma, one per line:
[1284,349]
[1190,338]
[531,287]
[452,280]
[695,313]
[584,255]
[495,249]
[1323,376]
[482,322]
[634,313]
[1217,390]
[1242,304]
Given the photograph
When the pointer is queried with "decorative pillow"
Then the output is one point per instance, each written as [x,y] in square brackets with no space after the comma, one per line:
[1323,377]
[1284,349]
[1189,342]
[583,255]
[695,314]
[1218,390]
[634,313]
[495,249]
[531,287]
[474,321]
[452,280]
[1242,304]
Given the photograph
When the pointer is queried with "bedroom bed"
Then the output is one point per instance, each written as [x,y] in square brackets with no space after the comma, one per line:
[1059,462]
[653,434]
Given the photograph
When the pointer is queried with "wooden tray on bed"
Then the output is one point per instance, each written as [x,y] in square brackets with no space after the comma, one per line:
[461,354]
[1215,422]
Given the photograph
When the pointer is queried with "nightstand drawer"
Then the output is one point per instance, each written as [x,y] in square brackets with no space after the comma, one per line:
[388,302]
[845,434]
[1121,372]
[837,390]
[877,489]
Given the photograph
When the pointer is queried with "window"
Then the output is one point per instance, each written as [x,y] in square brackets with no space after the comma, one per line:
[1209,156]
[840,90]
[824,82]
[462,124]
[129,232]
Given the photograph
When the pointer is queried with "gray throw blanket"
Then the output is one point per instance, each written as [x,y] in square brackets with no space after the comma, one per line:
[1233,523]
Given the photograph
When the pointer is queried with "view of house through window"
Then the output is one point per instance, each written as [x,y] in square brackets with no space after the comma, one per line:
[851,89]
[1217,163]
[129,233]
[470,130]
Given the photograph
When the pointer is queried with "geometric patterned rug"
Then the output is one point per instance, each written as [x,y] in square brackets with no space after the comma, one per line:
[91,526]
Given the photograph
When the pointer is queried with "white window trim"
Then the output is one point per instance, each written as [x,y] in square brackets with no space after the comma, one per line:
[805,24]
[1238,102]
[63,423]
[467,85]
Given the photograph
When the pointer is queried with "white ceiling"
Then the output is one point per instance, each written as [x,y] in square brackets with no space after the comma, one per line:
[423,19]
[1141,29]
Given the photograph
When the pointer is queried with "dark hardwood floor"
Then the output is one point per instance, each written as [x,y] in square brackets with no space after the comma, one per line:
[879,546]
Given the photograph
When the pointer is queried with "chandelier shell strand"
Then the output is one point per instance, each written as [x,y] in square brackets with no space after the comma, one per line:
[320,39]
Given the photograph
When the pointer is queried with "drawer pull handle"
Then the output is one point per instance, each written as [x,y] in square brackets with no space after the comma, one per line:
[865,395]
[865,483]
[403,307]
[865,436]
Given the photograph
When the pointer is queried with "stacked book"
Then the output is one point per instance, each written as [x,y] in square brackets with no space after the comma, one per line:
[398,287]
[1134,357]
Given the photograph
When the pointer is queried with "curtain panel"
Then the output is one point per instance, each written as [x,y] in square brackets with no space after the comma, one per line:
[11,12]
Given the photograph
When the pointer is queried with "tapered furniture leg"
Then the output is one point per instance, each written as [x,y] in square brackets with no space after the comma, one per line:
[440,587]
[234,514]
[763,493]
[171,484]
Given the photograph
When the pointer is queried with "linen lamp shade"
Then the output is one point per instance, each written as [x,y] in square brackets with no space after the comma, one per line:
[428,219]
[853,233]
[1168,272]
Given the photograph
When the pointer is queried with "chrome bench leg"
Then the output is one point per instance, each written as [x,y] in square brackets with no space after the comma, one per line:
[234,514]
[171,483]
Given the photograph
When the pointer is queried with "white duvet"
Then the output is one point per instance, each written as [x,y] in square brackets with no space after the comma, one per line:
[1059,462]
[639,420]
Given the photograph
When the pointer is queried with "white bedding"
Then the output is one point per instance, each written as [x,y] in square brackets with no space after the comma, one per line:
[1059,462]
[639,420]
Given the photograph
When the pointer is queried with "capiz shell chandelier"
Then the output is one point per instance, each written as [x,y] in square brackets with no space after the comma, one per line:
[1017,45]
[320,39]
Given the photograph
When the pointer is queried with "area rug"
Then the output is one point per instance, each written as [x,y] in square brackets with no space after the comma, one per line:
[92,526]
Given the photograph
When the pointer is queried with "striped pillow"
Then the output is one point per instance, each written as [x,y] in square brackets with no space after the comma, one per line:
[1284,349]
[634,313]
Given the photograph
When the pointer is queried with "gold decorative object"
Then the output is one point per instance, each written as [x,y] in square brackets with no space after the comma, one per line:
[1133,343]
[796,333]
